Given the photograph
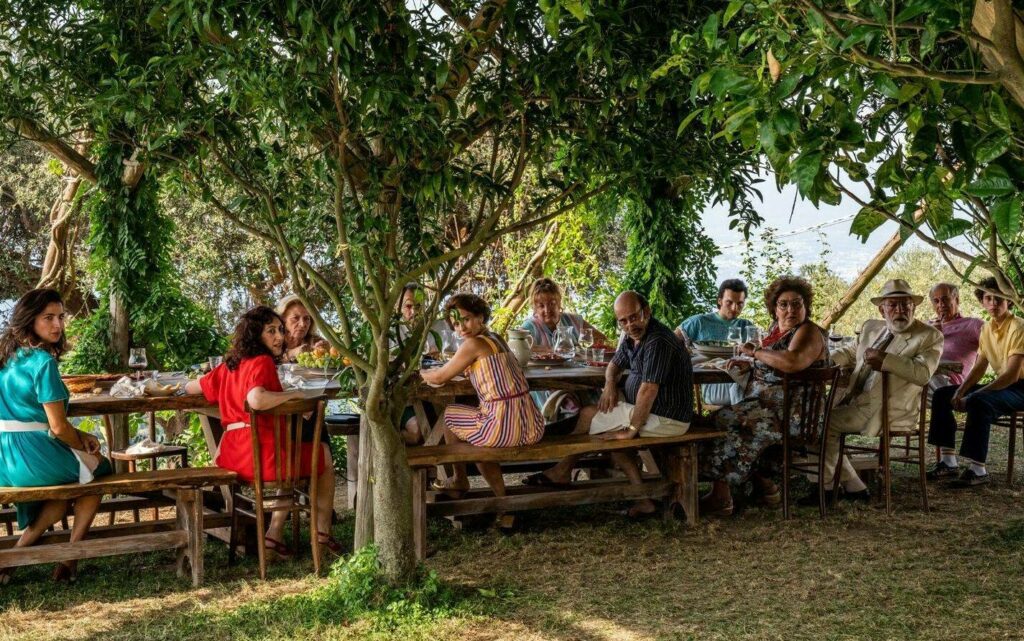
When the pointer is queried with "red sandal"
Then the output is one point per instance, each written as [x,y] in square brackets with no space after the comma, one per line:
[281,551]
[329,542]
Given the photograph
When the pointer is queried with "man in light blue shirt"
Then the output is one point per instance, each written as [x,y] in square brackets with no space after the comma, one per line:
[715,326]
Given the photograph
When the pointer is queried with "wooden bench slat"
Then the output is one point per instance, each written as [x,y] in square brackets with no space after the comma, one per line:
[92,548]
[551,448]
[128,483]
[599,493]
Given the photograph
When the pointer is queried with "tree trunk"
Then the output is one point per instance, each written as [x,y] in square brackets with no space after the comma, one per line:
[392,489]
[996,21]
[58,264]
[119,343]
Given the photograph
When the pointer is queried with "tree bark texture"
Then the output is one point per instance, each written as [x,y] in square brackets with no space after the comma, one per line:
[996,21]
[58,266]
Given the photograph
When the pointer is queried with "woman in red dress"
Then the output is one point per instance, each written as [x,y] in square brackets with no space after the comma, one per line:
[249,375]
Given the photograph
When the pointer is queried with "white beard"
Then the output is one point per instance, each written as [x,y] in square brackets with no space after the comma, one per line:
[898,326]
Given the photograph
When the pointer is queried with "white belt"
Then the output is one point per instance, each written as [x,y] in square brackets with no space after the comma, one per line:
[23,426]
[235,426]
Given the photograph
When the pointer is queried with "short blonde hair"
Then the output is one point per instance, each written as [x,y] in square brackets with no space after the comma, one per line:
[545,286]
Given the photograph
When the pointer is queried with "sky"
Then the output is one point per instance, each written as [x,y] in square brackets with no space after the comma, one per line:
[848,255]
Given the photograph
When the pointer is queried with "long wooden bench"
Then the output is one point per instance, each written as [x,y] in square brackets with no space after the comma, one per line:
[186,536]
[676,455]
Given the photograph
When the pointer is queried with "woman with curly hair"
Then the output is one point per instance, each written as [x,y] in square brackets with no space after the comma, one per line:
[249,375]
[38,446]
[506,416]
[793,344]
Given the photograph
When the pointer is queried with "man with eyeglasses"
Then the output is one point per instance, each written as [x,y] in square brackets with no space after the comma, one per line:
[715,326]
[904,347]
[961,334]
[656,398]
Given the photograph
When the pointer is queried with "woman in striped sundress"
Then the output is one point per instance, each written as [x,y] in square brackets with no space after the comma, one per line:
[507,416]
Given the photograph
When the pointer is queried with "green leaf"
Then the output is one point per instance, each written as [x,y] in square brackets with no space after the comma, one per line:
[867,220]
[441,74]
[710,30]
[991,147]
[806,169]
[1006,214]
[886,86]
[994,181]
[786,122]
[732,10]
[952,228]
[998,113]
[687,120]
[576,8]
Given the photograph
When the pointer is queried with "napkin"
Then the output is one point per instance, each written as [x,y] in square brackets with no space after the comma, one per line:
[145,446]
[125,387]
[740,377]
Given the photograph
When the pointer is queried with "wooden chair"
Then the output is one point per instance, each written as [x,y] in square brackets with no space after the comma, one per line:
[290,491]
[905,452]
[1013,422]
[811,392]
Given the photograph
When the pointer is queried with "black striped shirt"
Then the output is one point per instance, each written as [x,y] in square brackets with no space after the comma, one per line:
[659,358]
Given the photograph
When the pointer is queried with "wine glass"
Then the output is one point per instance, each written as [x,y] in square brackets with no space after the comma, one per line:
[137,361]
[586,341]
[752,334]
[736,338]
[448,345]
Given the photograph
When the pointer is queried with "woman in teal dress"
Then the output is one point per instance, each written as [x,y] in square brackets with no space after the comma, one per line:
[38,446]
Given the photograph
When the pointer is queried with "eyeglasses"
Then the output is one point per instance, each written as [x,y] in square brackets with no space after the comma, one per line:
[794,304]
[632,318]
[893,305]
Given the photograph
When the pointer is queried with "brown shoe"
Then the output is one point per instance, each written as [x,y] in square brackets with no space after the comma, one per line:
[712,506]
[767,495]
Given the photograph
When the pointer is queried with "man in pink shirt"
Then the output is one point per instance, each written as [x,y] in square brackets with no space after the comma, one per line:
[960,333]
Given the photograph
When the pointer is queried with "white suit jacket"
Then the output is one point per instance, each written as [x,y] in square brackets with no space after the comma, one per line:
[911,359]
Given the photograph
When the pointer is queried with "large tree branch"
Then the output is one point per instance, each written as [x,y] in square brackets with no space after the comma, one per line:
[61,150]
[859,56]
[475,43]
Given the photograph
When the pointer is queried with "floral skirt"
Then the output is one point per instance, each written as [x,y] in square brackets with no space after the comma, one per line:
[752,426]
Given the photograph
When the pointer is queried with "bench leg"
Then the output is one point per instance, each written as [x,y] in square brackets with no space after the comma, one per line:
[419,513]
[687,490]
[189,506]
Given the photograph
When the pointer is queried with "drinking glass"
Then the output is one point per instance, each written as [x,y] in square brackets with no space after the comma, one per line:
[215,361]
[137,361]
[448,345]
[586,338]
[736,338]
[752,334]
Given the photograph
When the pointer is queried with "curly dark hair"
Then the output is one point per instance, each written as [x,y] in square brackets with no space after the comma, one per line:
[788,284]
[20,332]
[990,284]
[469,302]
[246,341]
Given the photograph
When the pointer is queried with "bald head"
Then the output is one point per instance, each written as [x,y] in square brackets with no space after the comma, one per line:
[632,313]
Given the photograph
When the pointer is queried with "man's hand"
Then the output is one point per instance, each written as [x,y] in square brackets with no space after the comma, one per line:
[609,399]
[874,358]
[959,403]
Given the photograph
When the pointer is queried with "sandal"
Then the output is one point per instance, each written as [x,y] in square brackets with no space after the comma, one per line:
[448,489]
[540,479]
[506,524]
[712,506]
[329,542]
[637,515]
[6,574]
[768,497]
[280,551]
[65,573]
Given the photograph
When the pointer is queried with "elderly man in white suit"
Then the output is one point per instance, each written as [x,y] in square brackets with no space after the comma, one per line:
[899,344]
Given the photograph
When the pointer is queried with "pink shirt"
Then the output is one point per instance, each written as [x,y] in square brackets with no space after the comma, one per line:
[960,344]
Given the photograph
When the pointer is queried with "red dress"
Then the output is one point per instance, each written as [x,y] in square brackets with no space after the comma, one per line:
[229,389]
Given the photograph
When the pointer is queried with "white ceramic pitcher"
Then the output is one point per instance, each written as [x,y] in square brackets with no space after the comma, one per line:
[520,343]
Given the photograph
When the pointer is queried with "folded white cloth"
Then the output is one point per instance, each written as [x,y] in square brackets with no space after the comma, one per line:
[739,376]
[125,387]
[145,446]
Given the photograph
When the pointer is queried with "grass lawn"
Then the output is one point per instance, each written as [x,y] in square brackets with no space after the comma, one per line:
[587,574]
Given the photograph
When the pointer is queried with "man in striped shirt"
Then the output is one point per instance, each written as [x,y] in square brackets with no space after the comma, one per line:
[656,399]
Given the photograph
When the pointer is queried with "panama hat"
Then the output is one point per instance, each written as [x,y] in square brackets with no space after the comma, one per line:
[896,288]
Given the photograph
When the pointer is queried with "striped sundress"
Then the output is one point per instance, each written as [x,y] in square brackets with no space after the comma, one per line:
[507,416]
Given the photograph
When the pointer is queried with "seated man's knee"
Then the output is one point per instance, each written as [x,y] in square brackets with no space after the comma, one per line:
[979,405]
[944,396]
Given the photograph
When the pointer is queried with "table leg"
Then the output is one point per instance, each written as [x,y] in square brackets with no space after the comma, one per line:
[419,513]
[687,490]
[436,436]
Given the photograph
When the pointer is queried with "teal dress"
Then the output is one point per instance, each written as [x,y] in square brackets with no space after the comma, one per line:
[29,456]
